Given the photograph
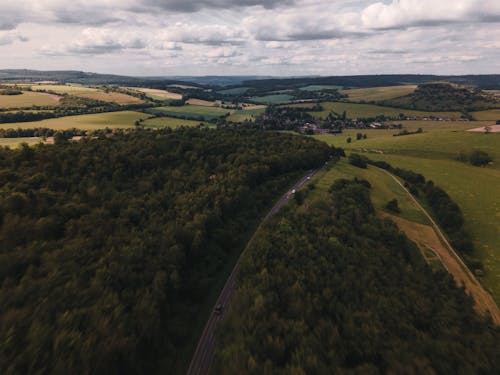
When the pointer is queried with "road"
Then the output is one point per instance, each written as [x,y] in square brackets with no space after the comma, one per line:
[484,302]
[202,358]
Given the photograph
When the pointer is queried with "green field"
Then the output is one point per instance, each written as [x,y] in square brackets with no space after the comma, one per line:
[28,99]
[193,112]
[245,114]
[475,189]
[168,122]
[272,99]
[492,114]
[112,120]
[378,93]
[384,188]
[234,91]
[15,142]
[354,110]
[321,87]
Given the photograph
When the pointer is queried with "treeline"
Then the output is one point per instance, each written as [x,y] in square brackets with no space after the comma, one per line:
[329,288]
[110,246]
[446,211]
[41,132]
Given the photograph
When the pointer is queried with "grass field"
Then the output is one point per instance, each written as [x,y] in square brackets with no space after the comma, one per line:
[245,114]
[15,142]
[112,120]
[272,99]
[354,110]
[157,94]
[321,87]
[234,91]
[492,114]
[476,190]
[168,122]
[192,112]
[28,99]
[379,93]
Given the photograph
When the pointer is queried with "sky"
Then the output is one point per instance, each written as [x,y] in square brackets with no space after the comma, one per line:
[252,37]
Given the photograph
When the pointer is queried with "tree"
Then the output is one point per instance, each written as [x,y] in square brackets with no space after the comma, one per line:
[392,206]
[349,140]
[479,158]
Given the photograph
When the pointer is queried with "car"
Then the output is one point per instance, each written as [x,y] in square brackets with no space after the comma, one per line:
[218,309]
[293,191]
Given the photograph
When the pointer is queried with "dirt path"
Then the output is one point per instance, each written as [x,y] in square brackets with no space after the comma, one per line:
[434,239]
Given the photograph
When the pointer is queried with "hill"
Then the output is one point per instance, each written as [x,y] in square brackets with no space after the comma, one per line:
[442,96]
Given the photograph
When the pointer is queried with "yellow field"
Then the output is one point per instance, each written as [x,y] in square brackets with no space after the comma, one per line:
[492,114]
[157,94]
[203,103]
[379,93]
[168,122]
[28,99]
[111,97]
[112,120]
[15,142]
[64,89]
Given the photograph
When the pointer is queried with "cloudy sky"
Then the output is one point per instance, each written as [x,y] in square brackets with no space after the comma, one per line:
[252,37]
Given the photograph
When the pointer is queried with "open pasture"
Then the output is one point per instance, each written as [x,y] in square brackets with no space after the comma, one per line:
[491,114]
[15,142]
[28,99]
[378,93]
[191,112]
[157,94]
[354,110]
[112,120]
[111,97]
[65,89]
[246,114]
[272,99]
[320,87]
[168,122]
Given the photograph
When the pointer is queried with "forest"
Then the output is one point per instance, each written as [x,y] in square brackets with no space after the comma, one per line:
[109,246]
[329,288]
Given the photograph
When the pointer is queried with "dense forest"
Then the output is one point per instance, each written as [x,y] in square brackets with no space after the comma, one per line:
[109,247]
[329,288]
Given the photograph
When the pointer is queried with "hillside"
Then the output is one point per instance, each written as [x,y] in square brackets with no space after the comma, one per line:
[442,96]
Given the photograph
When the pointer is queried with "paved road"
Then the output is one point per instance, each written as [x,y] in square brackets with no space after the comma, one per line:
[202,358]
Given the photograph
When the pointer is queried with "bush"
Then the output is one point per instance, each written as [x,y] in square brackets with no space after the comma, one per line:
[392,206]
[358,161]
[479,158]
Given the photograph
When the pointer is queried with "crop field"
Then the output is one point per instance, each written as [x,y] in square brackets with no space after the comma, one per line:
[378,93]
[245,114]
[203,103]
[65,89]
[28,99]
[321,87]
[15,142]
[157,94]
[272,99]
[168,122]
[475,189]
[111,97]
[191,112]
[492,114]
[112,120]
[234,91]
[354,110]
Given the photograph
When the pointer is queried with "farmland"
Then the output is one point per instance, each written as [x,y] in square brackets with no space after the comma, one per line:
[192,112]
[235,91]
[111,120]
[65,89]
[245,114]
[272,99]
[110,97]
[474,189]
[354,110]
[320,87]
[378,93]
[157,94]
[15,142]
[168,122]
[492,114]
[28,99]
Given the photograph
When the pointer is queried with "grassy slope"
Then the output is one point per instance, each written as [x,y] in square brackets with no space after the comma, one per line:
[379,93]
[492,114]
[64,89]
[272,99]
[474,189]
[27,99]
[354,110]
[124,119]
[194,110]
[168,122]
[245,114]
[15,142]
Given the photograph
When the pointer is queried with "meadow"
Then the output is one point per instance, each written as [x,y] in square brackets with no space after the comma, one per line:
[15,142]
[157,94]
[354,110]
[272,99]
[378,93]
[492,114]
[320,87]
[475,189]
[112,120]
[65,89]
[234,91]
[192,112]
[111,97]
[245,114]
[167,122]
[28,99]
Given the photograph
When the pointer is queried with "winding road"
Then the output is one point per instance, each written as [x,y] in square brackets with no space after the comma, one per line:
[202,358]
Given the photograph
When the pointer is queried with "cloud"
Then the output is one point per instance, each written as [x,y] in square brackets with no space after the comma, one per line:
[213,35]
[7,38]
[194,6]
[410,13]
